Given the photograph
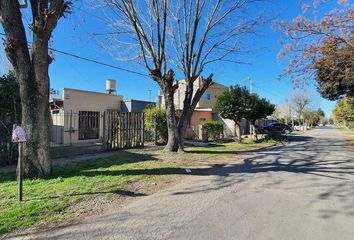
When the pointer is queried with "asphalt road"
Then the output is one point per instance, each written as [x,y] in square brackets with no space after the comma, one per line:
[301,191]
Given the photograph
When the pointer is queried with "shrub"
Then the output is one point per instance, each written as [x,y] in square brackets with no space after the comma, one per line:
[212,129]
[161,123]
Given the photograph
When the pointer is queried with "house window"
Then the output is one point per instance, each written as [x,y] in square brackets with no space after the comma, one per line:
[89,125]
[206,96]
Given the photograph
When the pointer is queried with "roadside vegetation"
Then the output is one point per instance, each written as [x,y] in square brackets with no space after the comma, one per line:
[75,190]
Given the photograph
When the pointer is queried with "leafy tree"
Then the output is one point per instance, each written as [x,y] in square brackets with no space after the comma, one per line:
[31,65]
[258,108]
[335,70]
[321,113]
[234,105]
[312,117]
[10,102]
[344,112]
[320,46]
[159,115]
[10,109]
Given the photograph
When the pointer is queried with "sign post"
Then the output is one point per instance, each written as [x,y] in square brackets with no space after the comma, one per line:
[19,136]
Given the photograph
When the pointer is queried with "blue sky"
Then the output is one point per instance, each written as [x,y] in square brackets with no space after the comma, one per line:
[73,34]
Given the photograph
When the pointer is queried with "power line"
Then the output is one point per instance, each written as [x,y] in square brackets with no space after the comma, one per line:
[91,60]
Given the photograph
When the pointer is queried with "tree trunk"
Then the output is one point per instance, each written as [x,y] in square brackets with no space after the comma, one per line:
[254,130]
[35,114]
[238,131]
[32,73]
[172,142]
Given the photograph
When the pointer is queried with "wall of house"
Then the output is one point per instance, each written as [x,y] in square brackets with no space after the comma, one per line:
[135,105]
[214,91]
[229,126]
[197,117]
[56,127]
[80,100]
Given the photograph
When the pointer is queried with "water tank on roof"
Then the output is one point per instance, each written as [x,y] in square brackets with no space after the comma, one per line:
[110,86]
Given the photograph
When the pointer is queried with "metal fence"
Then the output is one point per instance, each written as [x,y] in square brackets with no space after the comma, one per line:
[74,128]
[111,129]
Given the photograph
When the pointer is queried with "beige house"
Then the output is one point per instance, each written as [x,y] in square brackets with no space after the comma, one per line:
[76,117]
[205,109]
[207,101]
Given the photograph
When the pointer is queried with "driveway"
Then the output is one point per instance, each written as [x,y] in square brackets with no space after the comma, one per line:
[304,190]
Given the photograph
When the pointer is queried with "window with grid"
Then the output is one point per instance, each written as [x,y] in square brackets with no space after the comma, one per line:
[89,125]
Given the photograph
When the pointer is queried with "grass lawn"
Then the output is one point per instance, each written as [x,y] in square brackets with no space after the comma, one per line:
[89,186]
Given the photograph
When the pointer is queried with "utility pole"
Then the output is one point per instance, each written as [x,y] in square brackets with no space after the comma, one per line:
[251,92]
[286,111]
[149,95]
[251,85]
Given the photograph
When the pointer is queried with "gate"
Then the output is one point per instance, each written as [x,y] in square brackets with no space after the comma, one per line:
[123,130]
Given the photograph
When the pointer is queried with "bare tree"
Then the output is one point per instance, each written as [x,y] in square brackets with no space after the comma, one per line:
[300,101]
[31,65]
[183,34]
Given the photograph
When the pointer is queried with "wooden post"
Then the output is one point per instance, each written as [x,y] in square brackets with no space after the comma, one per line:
[20,171]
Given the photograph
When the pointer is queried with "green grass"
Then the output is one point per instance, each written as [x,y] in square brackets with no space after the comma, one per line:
[57,197]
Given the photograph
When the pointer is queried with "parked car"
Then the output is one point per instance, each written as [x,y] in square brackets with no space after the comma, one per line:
[277,127]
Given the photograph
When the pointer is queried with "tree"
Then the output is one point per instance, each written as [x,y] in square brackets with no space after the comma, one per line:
[258,108]
[234,105]
[344,112]
[300,100]
[312,118]
[10,109]
[321,47]
[10,102]
[321,113]
[335,70]
[156,116]
[188,35]
[31,65]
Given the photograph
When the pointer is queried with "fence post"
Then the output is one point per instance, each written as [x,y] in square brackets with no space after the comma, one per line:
[155,131]
[20,172]
[142,129]
[103,131]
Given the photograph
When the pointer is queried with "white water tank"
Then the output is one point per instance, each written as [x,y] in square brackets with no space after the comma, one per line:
[110,86]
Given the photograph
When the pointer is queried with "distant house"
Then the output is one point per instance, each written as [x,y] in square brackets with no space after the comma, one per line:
[205,109]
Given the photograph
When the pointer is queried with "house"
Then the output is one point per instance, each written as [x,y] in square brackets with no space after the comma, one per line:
[205,109]
[76,116]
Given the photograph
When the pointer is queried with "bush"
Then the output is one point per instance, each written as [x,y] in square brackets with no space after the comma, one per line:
[212,129]
[161,123]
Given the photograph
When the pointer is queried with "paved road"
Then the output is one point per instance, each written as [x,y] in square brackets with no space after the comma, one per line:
[302,191]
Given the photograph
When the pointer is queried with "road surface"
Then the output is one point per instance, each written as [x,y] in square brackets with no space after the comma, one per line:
[301,191]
